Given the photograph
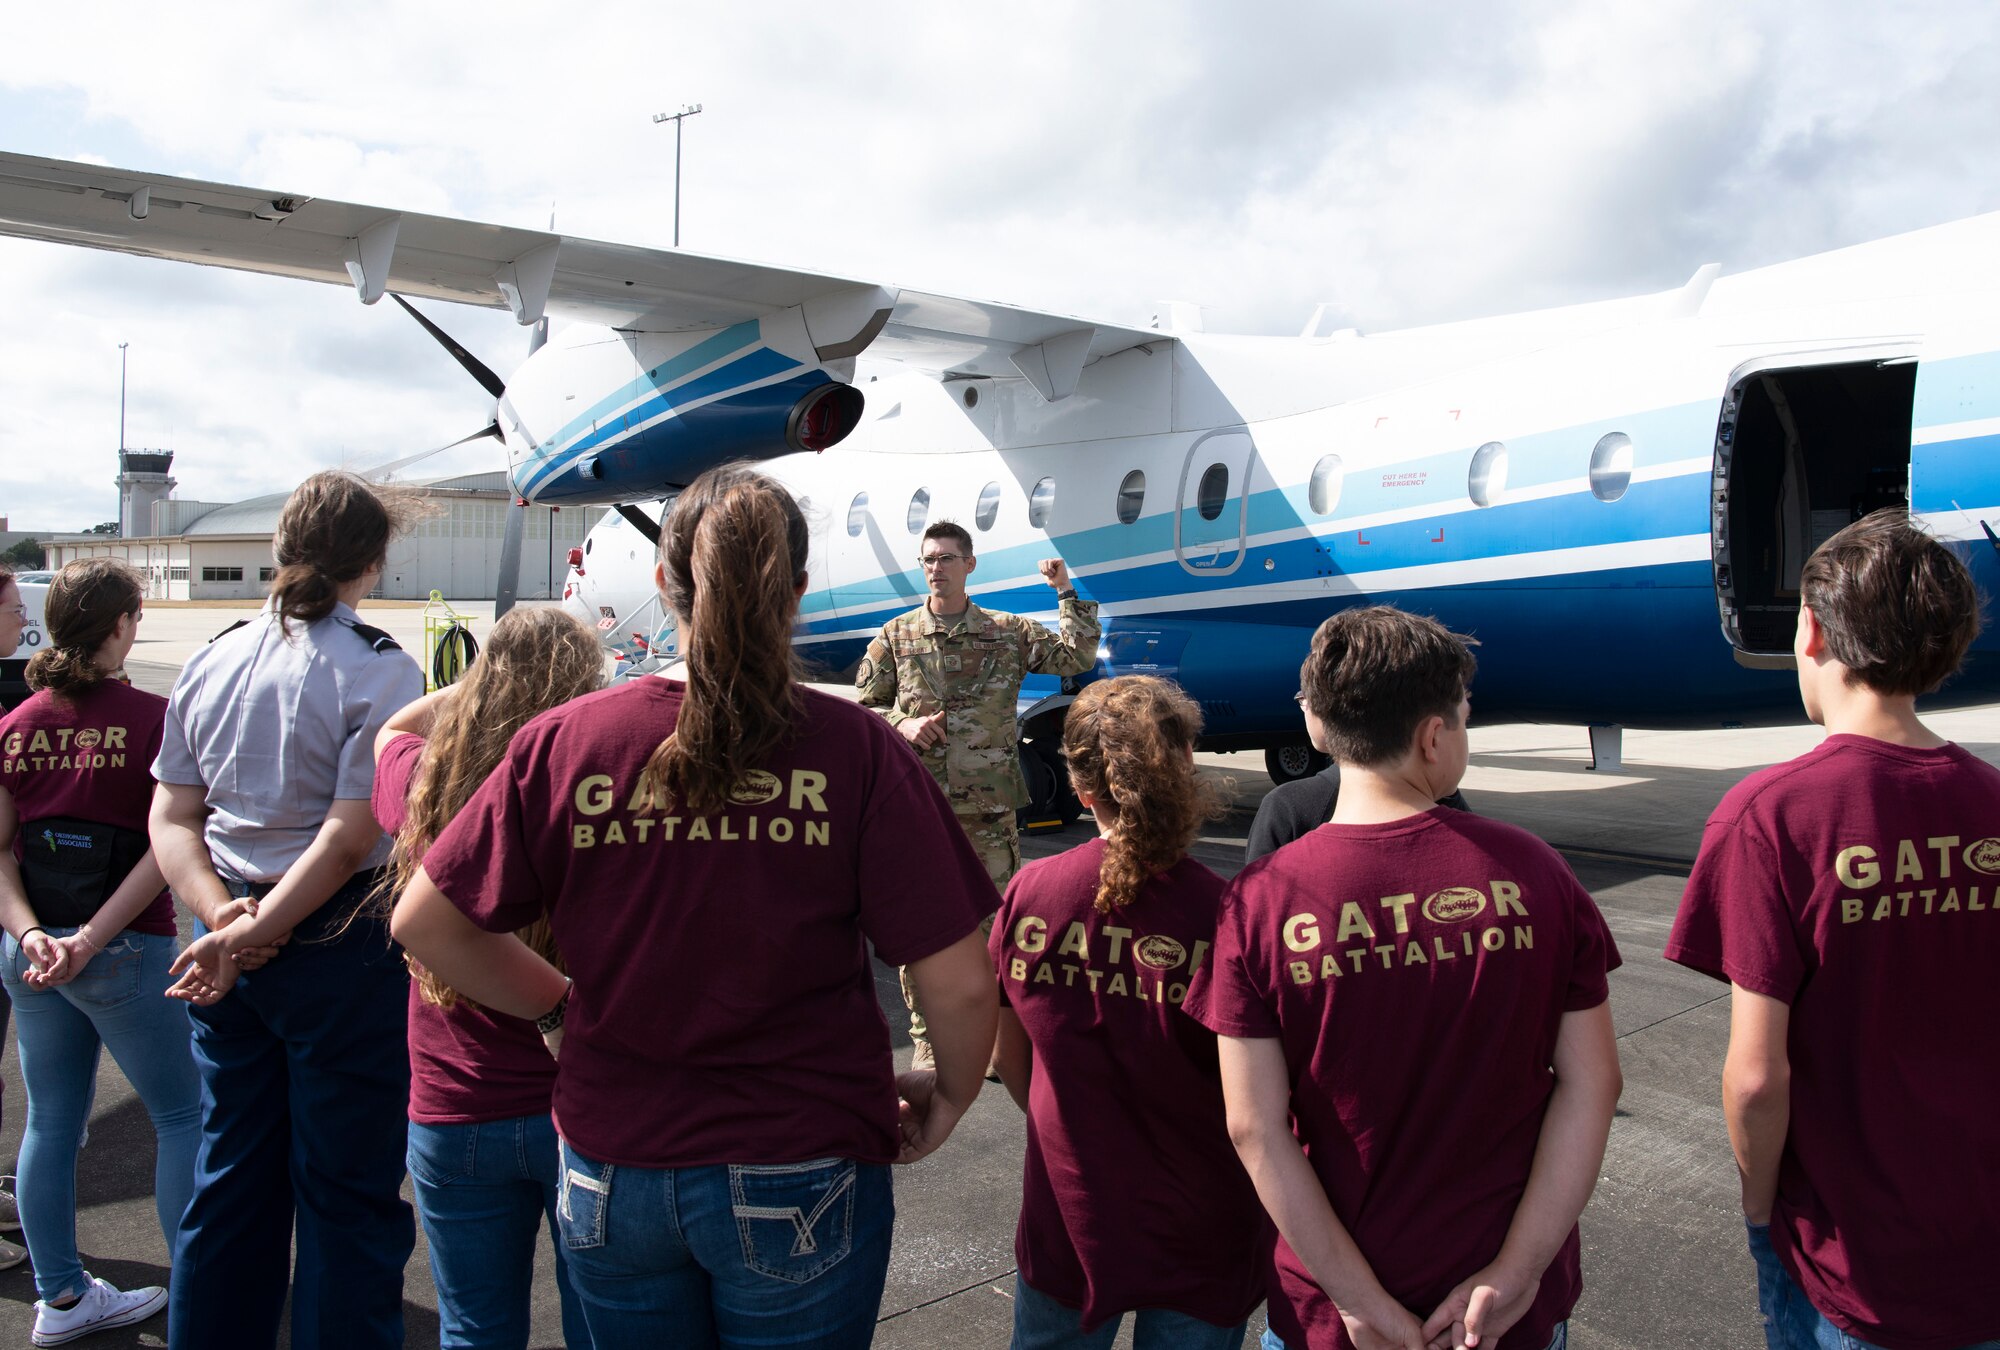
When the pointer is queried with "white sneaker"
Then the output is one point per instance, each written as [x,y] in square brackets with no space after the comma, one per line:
[10,1213]
[100,1307]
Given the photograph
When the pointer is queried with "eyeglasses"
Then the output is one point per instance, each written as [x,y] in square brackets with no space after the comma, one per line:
[942,559]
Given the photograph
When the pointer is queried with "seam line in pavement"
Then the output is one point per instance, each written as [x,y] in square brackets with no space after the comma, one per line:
[1680,867]
[1658,1021]
[927,1303]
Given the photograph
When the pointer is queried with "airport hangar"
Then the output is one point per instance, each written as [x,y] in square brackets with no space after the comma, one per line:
[197,550]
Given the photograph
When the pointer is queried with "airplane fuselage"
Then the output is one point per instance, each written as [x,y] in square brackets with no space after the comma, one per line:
[1592,495]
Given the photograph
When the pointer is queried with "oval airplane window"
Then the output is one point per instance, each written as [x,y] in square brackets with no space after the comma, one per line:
[1131,496]
[920,510]
[1040,502]
[857,514]
[1323,492]
[988,509]
[1611,467]
[1212,491]
[1486,481]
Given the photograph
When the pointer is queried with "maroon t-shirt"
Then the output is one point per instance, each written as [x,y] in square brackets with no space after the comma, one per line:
[724,1007]
[1858,884]
[1417,974]
[1132,1195]
[467,1063]
[89,756]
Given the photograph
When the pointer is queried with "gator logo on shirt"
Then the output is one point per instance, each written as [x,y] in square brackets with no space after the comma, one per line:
[1983,855]
[755,788]
[1454,904]
[88,738]
[1159,952]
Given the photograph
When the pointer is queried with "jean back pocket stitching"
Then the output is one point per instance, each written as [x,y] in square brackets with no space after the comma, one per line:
[806,1241]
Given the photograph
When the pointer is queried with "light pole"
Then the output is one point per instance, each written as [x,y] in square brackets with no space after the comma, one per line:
[121,395]
[687,110]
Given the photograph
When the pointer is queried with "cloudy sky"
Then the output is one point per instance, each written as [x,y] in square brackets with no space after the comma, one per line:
[1408,163]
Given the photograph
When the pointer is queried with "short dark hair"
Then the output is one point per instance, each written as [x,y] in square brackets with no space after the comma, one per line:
[1897,607]
[1374,674]
[947,529]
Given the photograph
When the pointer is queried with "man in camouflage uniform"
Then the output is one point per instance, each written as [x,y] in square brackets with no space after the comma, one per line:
[947,676]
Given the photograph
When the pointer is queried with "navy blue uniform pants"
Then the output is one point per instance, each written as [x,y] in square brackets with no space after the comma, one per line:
[305,1086]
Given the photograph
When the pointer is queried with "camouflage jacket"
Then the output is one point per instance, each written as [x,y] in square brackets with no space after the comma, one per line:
[972,669]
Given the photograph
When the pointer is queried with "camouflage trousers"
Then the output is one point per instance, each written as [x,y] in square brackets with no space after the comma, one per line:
[998,844]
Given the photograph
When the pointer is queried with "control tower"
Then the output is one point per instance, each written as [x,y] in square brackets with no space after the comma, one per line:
[143,479]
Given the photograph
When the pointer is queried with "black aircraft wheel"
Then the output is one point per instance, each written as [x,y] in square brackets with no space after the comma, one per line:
[1052,805]
[1289,763]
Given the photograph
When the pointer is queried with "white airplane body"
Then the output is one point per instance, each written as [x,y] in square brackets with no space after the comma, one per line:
[1615,498]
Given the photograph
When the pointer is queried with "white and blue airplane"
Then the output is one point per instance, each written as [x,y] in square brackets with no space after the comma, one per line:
[1615,498]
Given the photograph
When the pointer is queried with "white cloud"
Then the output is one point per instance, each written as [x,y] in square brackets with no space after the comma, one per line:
[1409,163]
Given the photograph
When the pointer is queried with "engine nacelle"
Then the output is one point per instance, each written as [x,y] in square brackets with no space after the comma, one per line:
[604,416]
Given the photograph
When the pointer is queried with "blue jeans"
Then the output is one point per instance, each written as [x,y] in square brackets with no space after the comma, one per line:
[482,1190]
[118,1001]
[1041,1323]
[305,1092]
[1559,1340]
[1790,1320]
[729,1255]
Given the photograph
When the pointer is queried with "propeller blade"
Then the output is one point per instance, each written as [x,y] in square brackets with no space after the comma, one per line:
[474,367]
[382,471]
[509,580]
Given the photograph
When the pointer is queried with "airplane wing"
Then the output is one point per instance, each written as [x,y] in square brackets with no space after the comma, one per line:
[530,272]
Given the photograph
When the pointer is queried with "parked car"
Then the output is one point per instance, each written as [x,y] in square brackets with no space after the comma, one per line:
[13,669]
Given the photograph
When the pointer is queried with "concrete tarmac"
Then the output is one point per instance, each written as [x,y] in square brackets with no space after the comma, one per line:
[1664,1258]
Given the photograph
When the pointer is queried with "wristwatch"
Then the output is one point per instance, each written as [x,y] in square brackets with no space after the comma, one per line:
[1066,593]
[552,1020]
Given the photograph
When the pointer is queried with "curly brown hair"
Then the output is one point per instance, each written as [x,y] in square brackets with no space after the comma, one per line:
[1130,745]
[534,659]
[734,549]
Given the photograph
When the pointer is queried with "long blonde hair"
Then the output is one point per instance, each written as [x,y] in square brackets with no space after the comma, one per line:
[534,659]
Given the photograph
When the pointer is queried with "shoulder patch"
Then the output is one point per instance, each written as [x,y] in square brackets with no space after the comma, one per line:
[377,640]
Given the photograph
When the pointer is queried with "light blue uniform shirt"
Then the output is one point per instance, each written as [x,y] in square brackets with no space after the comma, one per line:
[278,730]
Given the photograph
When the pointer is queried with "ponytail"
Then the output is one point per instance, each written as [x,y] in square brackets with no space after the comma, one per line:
[1130,746]
[333,529]
[734,550]
[86,600]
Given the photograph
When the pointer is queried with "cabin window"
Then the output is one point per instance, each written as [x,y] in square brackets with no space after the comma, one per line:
[1131,496]
[1323,492]
[1611,467]
[857,514]
[920,510]
[1212,491]
[1486,480]
[1040,502]
[988,509]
